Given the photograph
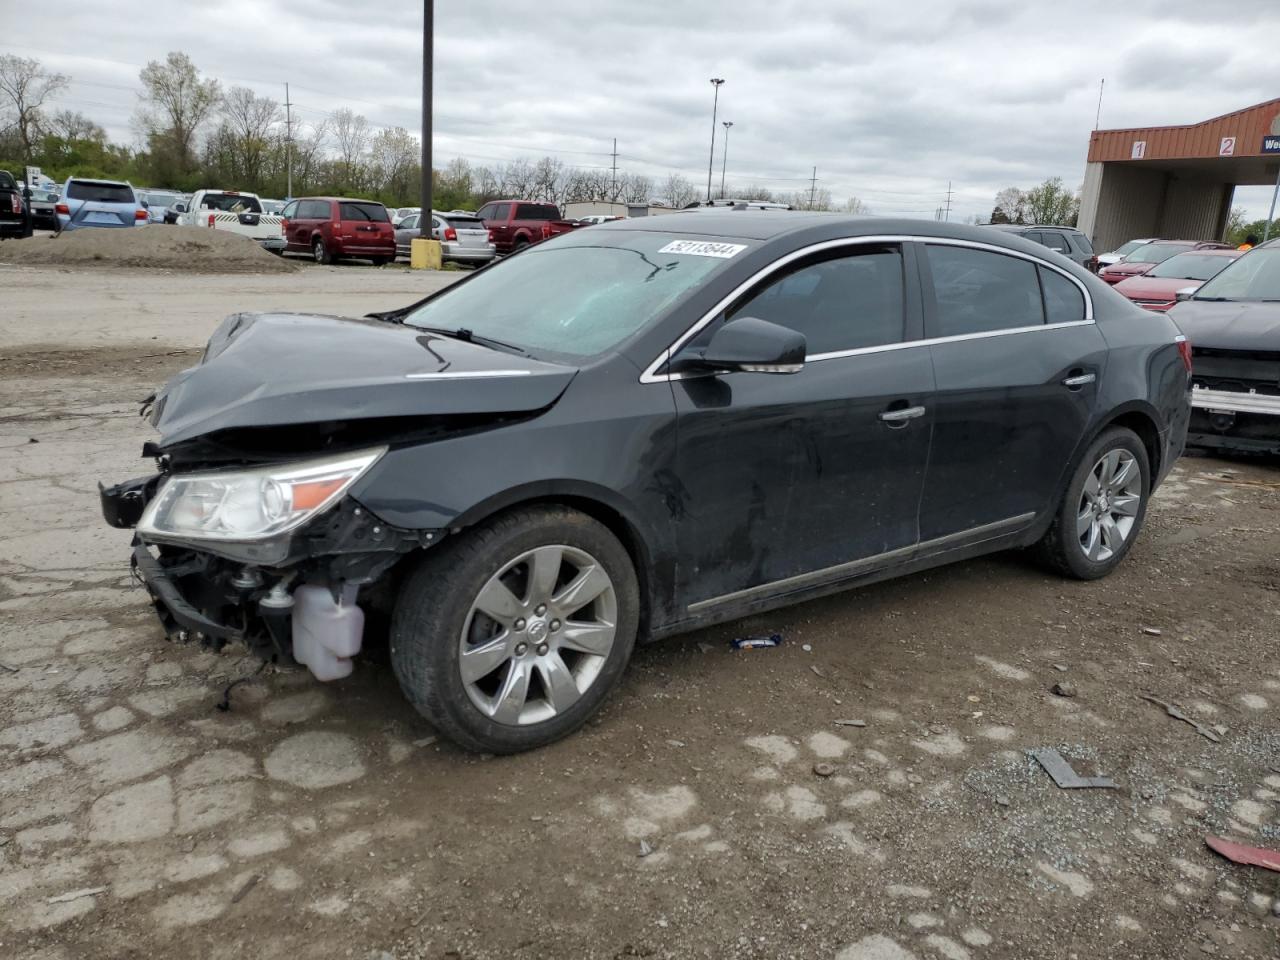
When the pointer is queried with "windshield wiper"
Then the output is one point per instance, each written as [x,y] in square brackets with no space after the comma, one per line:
[467,336]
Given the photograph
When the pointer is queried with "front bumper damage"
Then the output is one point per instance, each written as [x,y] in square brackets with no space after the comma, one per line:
[289,601]
[1243,421]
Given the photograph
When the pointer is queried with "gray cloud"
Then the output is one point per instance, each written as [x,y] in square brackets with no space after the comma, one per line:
[889,100]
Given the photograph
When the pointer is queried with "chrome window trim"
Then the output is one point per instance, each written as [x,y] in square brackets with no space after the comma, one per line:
[651,375]
[468,374]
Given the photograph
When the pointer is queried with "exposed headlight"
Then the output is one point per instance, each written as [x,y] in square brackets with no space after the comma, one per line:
[251,504]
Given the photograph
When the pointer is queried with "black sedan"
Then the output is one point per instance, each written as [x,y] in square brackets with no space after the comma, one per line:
[636,430]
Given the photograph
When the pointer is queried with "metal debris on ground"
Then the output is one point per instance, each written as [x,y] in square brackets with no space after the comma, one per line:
[245,887]
[1248,856]
[850,723]
[77,895]
[755,643]
[1060,667]
[675,743]
[806,648]
[817,672]
[1063,689]
[1177,714]
[645,849]
[823,769]
[1064,776]
[1152,631]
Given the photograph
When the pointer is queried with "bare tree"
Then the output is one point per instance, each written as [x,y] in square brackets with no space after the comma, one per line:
[308,151]
[247,130]
[1011,206]
[24,88]
[352,134]
[517,178]
[176,103]
[75,126]
[854,205]
[678,191]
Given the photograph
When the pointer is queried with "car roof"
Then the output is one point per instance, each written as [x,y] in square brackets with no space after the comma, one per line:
[110,183]
[1030,226]
[343,199]
[769,224]
[1213,252]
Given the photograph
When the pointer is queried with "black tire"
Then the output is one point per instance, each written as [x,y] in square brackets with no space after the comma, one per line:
[1061,548]
[319,253]
[434,604]
[520,244]
[382,261]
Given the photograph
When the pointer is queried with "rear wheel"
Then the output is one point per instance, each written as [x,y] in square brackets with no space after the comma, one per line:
[382,261]
[520,244]
[318,251]
[1102,511]
[511,636]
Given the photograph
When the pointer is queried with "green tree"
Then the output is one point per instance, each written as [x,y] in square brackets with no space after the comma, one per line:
[1052,202]
[176,103]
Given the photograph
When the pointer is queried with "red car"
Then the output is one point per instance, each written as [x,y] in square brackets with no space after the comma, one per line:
[1150,254]
[333,227]
[514,224]
[1158,288]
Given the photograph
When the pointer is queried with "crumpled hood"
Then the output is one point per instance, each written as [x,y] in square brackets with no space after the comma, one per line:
[1231,325]
[274,369]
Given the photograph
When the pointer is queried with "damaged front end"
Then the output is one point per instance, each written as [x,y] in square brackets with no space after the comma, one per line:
[1235,400]
[274,557]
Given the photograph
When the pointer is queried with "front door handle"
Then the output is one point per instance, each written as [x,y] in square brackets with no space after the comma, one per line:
[899,417]
[1079,380]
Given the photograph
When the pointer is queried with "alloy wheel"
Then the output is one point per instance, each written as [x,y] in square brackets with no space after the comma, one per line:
[1109,505]
[537,635]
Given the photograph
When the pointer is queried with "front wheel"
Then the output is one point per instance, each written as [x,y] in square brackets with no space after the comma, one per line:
[1103,509]
[511,636]
[318,251]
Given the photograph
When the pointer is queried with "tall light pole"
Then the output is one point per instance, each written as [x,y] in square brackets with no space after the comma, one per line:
[725,162]
[428,49]
[715,82]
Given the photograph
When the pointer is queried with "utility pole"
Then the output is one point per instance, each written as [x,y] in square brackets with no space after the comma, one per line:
[725,163]
[614,195]
[1097,117]
[288,143]
[813,186]
[947,214]
[715,82]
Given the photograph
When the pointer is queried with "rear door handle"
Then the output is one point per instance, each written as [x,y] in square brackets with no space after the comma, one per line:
[1079,380]
[901,416]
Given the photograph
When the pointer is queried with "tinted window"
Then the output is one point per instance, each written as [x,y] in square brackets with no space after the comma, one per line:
[1191,266]
[1055,241]
[314,210]
[1157,252]
[1255,276]
[838,304]
[978,291]
[537,211]
[290,210]
[1082,242]
[1063,301]
[100,192]
[230,203]
[501,211]
[465,223]
[366,212]
[573,296]
[1035,236]
[487,211]
[410,222]
[6,181]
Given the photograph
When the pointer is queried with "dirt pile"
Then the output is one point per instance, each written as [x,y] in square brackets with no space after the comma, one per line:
[184,249]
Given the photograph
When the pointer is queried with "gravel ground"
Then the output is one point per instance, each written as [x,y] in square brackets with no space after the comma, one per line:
[137,819]
[184,249]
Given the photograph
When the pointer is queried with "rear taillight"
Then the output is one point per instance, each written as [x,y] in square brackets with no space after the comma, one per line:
[284,228]
[63,209]
[141,214]
[450,233]
[17,202]
[1184,351]
[491,236]
[546,231]
[212,220]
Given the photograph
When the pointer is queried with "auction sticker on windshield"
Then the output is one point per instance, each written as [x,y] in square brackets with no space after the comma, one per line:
[704,248]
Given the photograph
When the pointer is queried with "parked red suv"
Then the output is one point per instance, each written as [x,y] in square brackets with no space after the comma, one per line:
[333,227]
[514,224]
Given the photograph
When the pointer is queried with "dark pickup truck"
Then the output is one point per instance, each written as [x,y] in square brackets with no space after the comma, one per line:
[514,224]
[12,221]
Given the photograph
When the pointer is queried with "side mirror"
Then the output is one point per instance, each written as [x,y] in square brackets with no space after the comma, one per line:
[1186,293]
[752,345]
[180,208]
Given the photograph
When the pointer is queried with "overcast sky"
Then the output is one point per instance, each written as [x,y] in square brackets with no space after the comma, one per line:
[889,100]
